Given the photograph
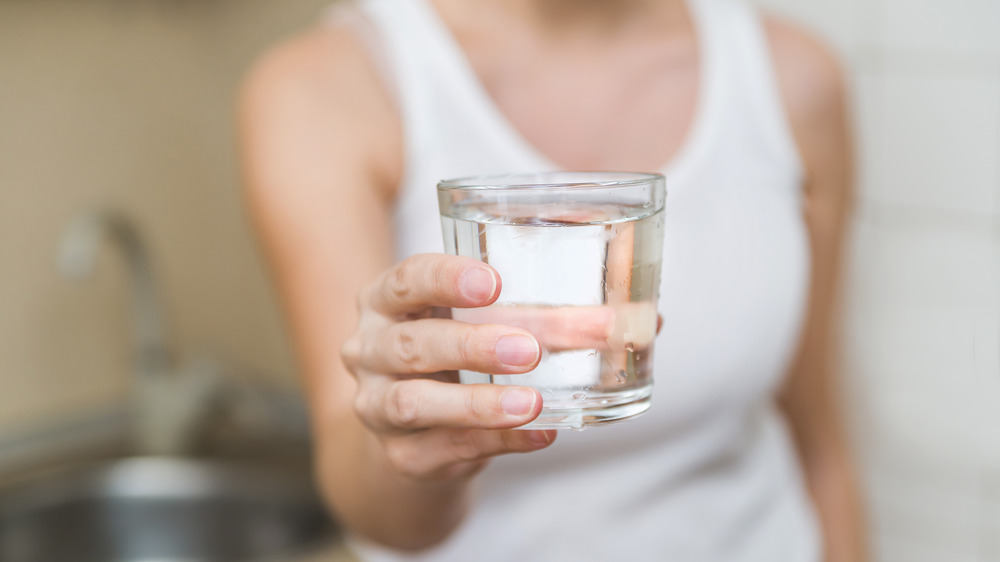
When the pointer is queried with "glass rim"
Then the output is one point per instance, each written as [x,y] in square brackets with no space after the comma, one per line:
[520,181]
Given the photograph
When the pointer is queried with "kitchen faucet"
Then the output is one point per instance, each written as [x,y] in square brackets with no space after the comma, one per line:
[167,402]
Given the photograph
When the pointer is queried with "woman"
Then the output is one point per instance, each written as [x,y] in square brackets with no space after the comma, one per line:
[742,456]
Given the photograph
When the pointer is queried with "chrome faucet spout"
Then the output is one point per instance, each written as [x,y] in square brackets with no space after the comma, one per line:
[77,254]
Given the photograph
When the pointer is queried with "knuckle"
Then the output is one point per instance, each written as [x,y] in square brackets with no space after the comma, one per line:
[350,352]
[404,404]
[399,455]
[464,446]
[399,284]
[362,404]
[448,276]
[480,402]
[368,350]
[407,348]
[479,344]
[469,349]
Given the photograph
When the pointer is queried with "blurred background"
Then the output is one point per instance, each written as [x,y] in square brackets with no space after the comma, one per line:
[129,105]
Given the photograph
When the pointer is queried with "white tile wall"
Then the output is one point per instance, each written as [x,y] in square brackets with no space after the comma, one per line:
[922,310]
[905,256]
[866,90]
[933,140]
[989,529]
[924,521]
[924,400]
[967,27]
[940,263]
[889,549]
[986,365]
[990,541]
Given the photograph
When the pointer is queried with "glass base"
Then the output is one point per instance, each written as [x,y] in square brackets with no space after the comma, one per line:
[593,411]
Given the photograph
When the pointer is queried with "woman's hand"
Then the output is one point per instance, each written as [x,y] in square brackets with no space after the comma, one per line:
[431,429]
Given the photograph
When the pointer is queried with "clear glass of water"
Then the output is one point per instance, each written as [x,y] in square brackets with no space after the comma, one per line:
[579,257]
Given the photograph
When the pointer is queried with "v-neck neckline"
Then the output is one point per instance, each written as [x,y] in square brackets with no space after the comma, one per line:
[498,124]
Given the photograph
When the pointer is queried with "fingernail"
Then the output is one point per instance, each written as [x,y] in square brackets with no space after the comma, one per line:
[517,350]
[517,401]
[478,284]
[542,438]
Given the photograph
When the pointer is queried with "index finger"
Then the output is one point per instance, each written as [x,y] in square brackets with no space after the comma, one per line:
[426,280]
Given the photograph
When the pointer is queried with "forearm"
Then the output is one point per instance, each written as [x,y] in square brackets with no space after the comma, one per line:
[835,490]
[375,501]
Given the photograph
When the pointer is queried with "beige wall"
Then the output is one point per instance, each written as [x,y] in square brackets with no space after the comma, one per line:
[127,103]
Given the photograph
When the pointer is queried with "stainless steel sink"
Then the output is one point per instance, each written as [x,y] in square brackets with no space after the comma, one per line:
[159,509]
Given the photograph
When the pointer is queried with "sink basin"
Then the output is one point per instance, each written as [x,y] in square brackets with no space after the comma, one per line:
[158,509]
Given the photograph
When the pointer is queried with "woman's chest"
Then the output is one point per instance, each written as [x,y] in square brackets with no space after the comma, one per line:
[628,108]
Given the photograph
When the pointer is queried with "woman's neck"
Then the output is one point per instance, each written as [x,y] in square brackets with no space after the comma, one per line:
[608,16]
[599,19]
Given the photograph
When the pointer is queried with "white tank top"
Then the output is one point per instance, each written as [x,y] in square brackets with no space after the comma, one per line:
[709,472]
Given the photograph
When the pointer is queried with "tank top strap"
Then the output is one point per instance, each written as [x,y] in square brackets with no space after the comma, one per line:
[395,42]
[350,15]
[755,103]
[440,99]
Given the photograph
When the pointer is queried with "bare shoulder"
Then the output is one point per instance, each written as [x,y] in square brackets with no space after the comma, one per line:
[809,72]
[321,89]
[814,91]
[315,62]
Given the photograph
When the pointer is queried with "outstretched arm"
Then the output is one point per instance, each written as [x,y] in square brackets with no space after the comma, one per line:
[813,91]
[395,450]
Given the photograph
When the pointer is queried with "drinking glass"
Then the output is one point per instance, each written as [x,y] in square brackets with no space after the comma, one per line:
[579,256]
